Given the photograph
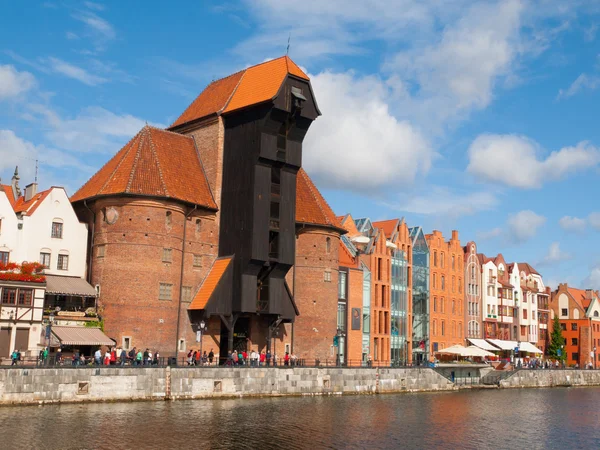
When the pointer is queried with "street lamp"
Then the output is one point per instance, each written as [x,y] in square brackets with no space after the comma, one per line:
[49,331]
[202,325]
[339,335]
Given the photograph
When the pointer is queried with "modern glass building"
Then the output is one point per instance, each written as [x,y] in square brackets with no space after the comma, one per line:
[420,296]
[366,337]
[399,308]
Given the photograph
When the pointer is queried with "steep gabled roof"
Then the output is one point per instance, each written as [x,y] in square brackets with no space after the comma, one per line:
[389,226]
[527,268]
[251,86]
[154,163]
[210,283]
[580,297]
[27,208]
[9,193]
[311,207]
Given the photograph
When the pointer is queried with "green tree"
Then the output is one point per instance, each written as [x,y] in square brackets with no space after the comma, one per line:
[556,346]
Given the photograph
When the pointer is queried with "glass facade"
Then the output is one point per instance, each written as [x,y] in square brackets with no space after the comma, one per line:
[420,295]
[399,308]
[366,339]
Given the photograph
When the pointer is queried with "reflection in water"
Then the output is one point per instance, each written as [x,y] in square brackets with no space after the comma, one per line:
[511,419]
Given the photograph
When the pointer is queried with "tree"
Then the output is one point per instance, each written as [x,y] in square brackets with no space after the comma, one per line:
[556,347]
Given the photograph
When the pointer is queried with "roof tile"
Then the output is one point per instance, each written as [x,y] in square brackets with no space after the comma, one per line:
[311,207]
[210,283]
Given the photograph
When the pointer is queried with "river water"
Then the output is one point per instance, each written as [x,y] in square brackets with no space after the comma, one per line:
[560,418]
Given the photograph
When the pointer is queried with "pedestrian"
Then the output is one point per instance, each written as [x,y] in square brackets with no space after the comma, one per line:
[98,357]
[131,356]
[139,358]
[211,356]
[268,358]
[242,358]
[123,357]
[252,358]
[155,360]
[190,357]
[204,358]
[286,359]
[45,355]
[149,357]
[107,358]
[263,358]
[145,357]
[113,356]
[58,358]
[14,358]
[197,358]
[82,361]
[234,358]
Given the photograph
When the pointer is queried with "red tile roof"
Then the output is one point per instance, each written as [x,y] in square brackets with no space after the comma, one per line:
[21,206]
[527,268]
[210,283]
[251,86]
[154,163]
[580,296]
[388,226]
[311,207]
[9,193]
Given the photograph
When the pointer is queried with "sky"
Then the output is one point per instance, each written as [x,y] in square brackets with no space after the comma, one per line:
[479,116]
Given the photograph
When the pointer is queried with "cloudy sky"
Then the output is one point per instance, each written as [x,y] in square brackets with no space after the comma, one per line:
[469,115]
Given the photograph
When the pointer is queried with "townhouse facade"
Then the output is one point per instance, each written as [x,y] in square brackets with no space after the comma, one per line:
[473,292]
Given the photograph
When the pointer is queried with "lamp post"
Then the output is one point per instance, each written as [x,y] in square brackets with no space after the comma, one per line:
[201,327]
[594,357]
[49,332]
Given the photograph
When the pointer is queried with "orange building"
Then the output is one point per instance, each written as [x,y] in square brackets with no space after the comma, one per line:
[578,313]
[447,294]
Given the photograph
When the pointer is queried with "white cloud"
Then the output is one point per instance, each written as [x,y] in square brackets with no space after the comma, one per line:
[592,281]
[94,6]
[75,72]
[554,255]
[357,143]
[524,225]
[582,82]
[13,82]
[71,36]
[573,224]
[96,24]
[491,234]
[442,201]
[594,220]
[514,160]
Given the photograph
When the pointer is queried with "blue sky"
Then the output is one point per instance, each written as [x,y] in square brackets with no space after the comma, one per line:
[479,116]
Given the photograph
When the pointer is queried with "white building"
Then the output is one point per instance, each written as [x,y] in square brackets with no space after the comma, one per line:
[489,297]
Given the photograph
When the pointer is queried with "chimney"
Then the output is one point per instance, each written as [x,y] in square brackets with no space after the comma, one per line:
[30,191]
[454,235]
[15,184]
[589,294]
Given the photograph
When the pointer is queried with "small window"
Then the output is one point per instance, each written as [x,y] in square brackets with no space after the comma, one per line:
[101,250]
[45,260]
[575,357]
[443,328]
[442,260]
[168,218]
[328,245]
[181,345]
[4,257]
[167,255]
[63,262]
[573,341]
[564,312]
[197,262]
[165,291]
[443,283]
[9,296]
[25,297]
[573,327]
[563,326]
[186,294]
[126,342]
[198,225]
[57,230]
[596,314]
[327,276]
[453,262]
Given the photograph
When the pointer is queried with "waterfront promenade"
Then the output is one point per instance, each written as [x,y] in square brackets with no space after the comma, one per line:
[97,384]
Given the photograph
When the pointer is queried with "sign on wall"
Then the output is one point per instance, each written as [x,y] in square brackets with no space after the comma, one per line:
[356,313]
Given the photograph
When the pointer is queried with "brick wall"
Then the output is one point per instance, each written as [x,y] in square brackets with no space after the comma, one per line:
[316,298]
[132,268]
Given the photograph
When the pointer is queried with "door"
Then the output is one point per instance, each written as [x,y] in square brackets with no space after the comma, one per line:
[22,339]
[4,342]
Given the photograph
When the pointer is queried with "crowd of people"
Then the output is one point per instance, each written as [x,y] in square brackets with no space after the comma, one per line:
[197,358]
[262,359]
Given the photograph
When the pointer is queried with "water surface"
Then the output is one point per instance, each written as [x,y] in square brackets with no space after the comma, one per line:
[560,418]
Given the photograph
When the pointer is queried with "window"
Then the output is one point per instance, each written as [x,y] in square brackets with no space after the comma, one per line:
[453,283]
[523,330]
[181,345]
[4,257]
[327,276]
[443,328]
[435,327]
[328,245]
[341,316]
[434,259]
[563,326]
[126,342]
[460,285]
[564,312]
[472,272]
[453,263]
[525,314]
[434,304]
[575,356]
[198,225]
[434,281]
[596,314]
[342,286]
[167,255]
[574,327]
[101,251]
[442,259]
[45,260]
[168,215]
[573,341]
[165,291]
[57,230]
[63,262]
[453,307]
[366,323]
[197,262]
[186,294]
[9,296]
[443,305]
[25,297]
[491,274]
[443,282]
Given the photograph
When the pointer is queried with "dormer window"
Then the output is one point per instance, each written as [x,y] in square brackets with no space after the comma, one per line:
[297,97]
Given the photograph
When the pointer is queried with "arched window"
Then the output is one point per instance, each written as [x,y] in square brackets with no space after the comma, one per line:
[453,262]
[595,313]
[434,259]
[198,225]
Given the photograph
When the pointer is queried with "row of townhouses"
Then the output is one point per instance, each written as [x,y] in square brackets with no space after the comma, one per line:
[209,234]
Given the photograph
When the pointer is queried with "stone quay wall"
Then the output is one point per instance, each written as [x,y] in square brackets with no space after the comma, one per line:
[552,378]
[64,385]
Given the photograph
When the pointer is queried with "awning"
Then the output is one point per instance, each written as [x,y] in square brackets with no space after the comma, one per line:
[504,345]
[81,336]
[482,343]
[76,286]
[473,350]
[529,348]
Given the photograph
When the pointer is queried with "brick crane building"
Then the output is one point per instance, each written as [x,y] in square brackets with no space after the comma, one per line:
[198,224]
